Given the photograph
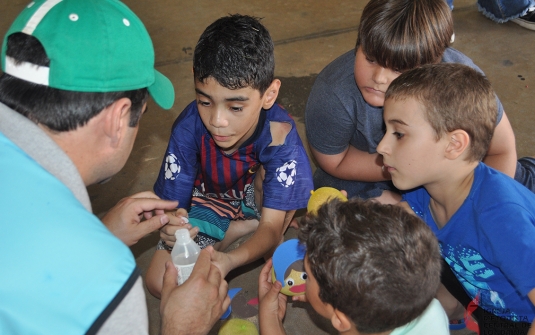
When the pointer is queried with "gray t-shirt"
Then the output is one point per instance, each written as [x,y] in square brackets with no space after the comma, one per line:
[336,115]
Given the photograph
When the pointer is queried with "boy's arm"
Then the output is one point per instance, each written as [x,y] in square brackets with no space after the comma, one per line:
[263,242]
[352,164]
[502,151]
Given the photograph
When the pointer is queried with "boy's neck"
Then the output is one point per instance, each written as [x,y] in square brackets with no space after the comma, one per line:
[448,195]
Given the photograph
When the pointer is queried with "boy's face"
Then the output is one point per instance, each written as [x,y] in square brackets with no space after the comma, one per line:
[230,116]
[411,153]
[312,294]
[372,79]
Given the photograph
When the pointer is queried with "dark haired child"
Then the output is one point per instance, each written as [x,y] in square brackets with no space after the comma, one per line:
[440,122]
[235,161]
[372,269]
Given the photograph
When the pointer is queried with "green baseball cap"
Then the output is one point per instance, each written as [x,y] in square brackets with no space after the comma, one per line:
[93,46]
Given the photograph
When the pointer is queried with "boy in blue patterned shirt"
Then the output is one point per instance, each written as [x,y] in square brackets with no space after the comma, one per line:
[235,161]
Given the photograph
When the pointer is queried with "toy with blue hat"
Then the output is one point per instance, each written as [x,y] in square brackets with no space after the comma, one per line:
[288,267]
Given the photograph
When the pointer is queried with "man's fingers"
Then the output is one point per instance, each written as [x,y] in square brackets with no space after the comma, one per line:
[202,265]
[145,194]
[147,205]
[214,277]
[169,281]
[154,223]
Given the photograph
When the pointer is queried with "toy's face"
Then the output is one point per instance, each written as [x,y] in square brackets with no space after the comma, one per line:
[295,283]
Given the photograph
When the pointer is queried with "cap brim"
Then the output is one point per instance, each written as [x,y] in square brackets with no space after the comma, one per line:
[162,91]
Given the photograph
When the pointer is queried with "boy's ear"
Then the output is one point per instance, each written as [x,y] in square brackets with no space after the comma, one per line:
[117,119]
[270,96]
[340,321]
[458,143]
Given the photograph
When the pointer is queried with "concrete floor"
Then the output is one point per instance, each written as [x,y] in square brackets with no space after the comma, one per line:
[308,34]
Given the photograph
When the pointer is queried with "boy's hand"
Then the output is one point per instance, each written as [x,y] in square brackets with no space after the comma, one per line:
[125,220]
[223,262]
[195,306]
[272,303]
[177,220]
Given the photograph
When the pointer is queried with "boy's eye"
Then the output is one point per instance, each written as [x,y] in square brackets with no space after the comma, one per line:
[203,103]
[304,276]
[398,135]
[370,60]
[236,109]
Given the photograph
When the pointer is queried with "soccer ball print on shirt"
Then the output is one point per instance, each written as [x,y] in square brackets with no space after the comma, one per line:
[286,173]
[172,167]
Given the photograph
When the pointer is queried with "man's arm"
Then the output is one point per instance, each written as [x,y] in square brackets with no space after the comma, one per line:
[352,164]
[502,151]
[266,238]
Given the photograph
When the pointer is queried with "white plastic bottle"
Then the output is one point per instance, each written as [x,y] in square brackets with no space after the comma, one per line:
[184,254]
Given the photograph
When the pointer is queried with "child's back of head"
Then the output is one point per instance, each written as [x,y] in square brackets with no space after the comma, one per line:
[377,264]
[454,96]
[404,34]
[237,51]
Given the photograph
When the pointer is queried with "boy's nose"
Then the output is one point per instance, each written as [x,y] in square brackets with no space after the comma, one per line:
[382,147]
[379,75]
[218,119]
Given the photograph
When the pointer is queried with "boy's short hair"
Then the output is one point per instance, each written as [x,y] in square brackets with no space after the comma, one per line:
[454,96]
[237,51]
[404,34]
[377,264]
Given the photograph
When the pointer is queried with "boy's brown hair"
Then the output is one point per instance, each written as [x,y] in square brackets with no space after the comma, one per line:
[454,96]
[377,264]
[404,34]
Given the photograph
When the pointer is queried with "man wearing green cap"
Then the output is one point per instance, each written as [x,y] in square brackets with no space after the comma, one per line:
[77,74]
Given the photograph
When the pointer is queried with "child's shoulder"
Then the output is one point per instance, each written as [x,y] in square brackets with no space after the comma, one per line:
[493,187]
[188,117]
[433,317]
[452,55]
[339,68]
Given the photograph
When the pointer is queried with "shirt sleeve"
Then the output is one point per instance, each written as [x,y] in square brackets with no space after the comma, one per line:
[288,180]
[181,162]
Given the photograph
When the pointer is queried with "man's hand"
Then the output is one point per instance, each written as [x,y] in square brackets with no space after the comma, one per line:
[125,220]
[195,306]
[177,220]
[272,303]
[223,262]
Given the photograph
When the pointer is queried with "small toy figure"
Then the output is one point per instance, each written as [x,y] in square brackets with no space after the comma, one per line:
[288,267]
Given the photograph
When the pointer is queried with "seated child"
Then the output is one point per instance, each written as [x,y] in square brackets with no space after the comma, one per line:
[371,269]
[439,123]
[235,160]
[344,112]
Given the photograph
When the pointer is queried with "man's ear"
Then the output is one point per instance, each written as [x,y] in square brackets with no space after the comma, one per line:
[340,321]
[458,143]
[117,119]
[270,96]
